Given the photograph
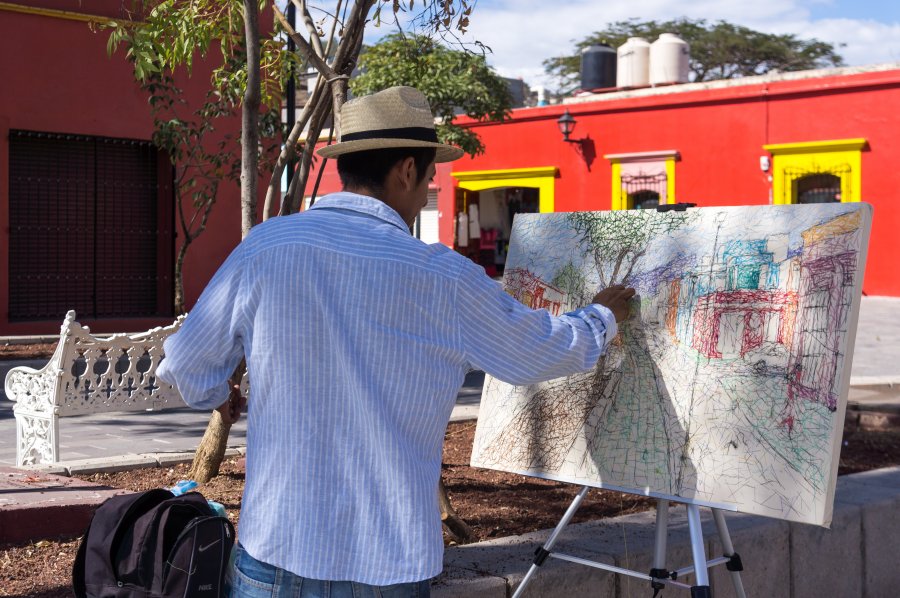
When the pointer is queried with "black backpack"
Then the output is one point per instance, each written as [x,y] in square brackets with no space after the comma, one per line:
[153,545]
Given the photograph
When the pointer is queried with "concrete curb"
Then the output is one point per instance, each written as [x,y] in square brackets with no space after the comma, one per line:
[874,382]
[84,467]
[36,505]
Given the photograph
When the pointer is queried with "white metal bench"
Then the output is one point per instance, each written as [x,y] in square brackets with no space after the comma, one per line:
[87,374]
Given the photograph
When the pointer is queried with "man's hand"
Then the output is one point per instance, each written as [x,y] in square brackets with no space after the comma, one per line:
[230,410]
[616,298]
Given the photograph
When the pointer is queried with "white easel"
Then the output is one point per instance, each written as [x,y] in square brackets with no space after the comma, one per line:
[659,576]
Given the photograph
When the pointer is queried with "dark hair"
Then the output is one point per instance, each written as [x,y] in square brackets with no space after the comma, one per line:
[369,168]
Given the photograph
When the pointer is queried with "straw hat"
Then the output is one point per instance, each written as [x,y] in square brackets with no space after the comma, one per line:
[394,117]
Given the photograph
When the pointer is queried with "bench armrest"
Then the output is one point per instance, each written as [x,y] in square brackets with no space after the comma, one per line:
[32,390]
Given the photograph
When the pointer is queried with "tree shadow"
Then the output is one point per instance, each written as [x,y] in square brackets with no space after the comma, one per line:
[616,426]
[637,439]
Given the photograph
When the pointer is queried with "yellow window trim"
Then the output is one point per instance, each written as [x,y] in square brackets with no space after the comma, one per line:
[793,161]
[805,147]
[620,202]
[541,177]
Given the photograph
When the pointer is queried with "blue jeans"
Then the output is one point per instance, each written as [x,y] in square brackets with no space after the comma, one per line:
[250,578]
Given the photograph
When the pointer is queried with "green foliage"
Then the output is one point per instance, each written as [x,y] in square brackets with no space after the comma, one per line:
[572,281]
[719,50]
[617,240]
[451,80]
[173,34]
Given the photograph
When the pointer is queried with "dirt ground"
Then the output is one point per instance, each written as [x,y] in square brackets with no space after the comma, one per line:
[16,351]
[494,504]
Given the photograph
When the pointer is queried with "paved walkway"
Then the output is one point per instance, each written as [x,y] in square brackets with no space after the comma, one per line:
[175,430]
[875,381]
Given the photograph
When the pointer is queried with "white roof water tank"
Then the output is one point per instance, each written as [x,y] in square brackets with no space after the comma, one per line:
[669,60]
[633,63]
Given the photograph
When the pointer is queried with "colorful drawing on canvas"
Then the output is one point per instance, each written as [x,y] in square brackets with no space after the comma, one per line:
[727,386]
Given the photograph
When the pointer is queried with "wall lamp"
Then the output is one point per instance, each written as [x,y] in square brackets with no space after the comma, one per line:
[566,124]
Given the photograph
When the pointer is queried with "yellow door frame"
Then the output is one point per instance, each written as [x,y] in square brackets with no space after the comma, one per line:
[620,202]
[792,161]
[541,177]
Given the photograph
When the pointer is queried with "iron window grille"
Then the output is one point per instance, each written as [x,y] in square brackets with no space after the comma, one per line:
[643,190]
[816,185]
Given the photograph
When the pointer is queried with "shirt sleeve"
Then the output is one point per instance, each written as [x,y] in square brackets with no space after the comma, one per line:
[203,354]
[520,345]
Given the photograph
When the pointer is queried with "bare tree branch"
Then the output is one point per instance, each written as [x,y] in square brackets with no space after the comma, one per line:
[310,27]
[303,47]
[334,23]
[288,152]
[291,201]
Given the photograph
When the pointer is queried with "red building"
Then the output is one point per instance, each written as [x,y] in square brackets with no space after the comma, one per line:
[828,135]
[86,204]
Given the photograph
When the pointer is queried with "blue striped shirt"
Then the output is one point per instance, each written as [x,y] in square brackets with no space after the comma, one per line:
[357,337]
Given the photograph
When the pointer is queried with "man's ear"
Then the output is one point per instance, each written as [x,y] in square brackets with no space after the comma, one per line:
[407,172]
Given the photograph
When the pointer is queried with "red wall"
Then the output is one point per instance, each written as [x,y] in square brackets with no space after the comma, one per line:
[56,76]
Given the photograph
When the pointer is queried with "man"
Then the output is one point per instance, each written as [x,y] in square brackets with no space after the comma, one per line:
[357,337]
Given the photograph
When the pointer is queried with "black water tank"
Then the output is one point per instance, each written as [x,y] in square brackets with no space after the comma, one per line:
[598,67]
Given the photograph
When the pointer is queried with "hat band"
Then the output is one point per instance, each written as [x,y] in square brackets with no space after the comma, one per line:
[411,133]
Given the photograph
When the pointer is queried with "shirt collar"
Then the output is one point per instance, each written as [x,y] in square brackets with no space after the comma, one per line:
[363,204]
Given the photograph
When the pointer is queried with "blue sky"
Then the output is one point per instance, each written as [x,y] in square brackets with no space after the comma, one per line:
[522,33]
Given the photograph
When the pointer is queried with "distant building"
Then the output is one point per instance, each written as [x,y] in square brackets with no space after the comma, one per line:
[534,292]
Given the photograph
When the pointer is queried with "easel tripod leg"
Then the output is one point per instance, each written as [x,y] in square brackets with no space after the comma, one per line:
[659,570]
[701,588]
[544,551]
[734,565]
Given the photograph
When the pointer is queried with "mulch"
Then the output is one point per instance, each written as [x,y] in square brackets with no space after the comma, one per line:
[494,504]
[15,351]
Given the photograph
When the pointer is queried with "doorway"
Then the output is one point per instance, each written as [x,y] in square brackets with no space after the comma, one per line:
[484,223]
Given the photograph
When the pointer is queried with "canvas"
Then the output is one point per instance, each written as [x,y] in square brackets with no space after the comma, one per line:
[726,387]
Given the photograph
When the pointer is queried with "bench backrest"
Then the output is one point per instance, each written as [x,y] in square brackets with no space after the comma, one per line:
[112,373]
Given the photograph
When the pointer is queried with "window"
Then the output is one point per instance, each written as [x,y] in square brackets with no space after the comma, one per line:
[818,188]
[643,200]
[90,228]
[817,171]
[642,180]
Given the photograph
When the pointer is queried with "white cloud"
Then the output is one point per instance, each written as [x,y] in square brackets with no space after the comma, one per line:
[867,41]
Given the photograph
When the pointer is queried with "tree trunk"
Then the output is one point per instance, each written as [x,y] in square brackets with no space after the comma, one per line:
[451,519]
[211,450]
[250,119]
[179,277]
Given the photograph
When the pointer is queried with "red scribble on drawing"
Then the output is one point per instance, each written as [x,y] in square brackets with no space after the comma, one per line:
[527,288]
[754,307]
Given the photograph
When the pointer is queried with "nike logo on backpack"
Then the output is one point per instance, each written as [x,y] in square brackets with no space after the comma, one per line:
[203,548]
